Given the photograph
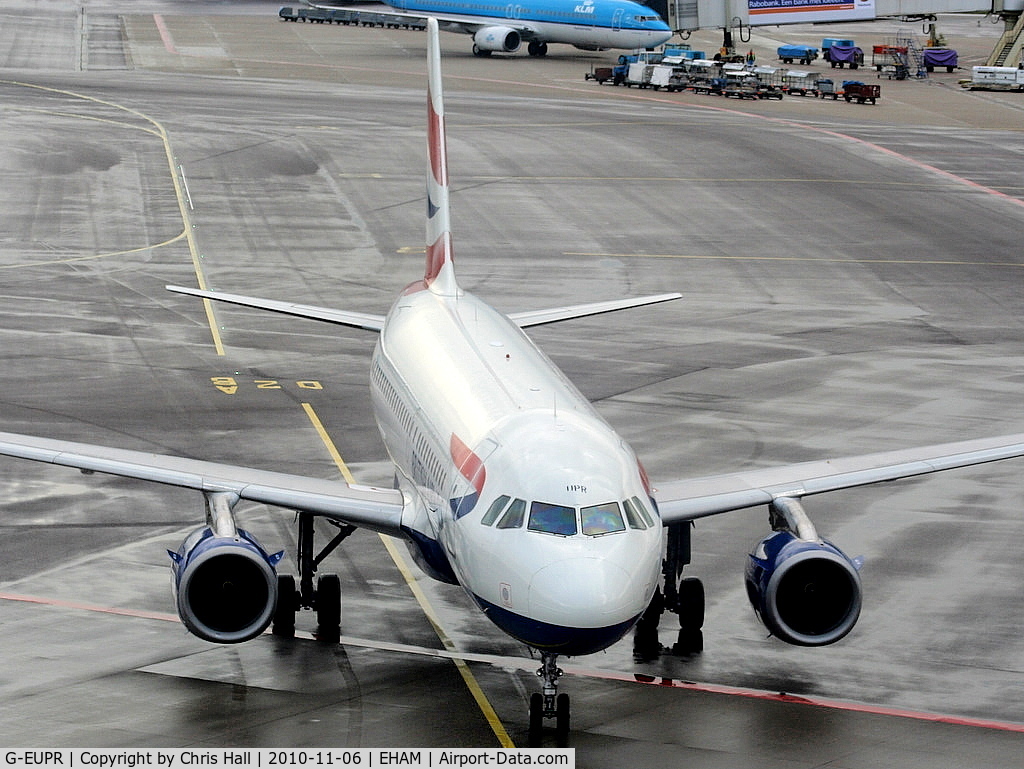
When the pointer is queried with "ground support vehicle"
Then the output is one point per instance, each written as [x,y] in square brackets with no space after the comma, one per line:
[995,79]
[804,54]
[940,57]
[704,68]
[601,74]
[639,74]
[826,88]
[669,75]
[854,90]
[883,56]
[845,55]
[769,82]
[828,42]
[704,84]
[801,83]
[738,86]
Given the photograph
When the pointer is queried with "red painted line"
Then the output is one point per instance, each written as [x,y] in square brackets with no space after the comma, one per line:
[165,34]
[798,699]
[647,680]
[62,604]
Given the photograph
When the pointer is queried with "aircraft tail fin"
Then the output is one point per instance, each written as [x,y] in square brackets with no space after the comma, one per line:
[440,268]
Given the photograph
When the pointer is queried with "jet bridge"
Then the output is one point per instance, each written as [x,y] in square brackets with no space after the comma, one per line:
[739,16]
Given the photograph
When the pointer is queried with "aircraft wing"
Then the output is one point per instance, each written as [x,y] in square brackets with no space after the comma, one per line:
[364,506]
[361,320]
[555,314]
[686,500]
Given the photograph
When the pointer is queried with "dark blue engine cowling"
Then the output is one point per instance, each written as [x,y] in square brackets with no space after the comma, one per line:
[806,593]
[225,587]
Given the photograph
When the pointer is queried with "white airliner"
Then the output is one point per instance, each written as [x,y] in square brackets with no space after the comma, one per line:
[509,484]
[591,25]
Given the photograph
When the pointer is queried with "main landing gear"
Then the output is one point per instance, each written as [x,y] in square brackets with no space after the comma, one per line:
[549,704]
[325,599]
[683,596]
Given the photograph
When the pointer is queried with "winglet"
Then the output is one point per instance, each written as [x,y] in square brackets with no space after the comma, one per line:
[440,269]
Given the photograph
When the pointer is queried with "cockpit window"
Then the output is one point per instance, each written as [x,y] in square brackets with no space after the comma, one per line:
[602,519]
[495,510]
[552,519]
[513,517]
[637,514]
[565,521]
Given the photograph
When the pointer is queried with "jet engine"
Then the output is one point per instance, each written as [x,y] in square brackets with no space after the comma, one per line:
[225,586]
[497,39]
[807,593]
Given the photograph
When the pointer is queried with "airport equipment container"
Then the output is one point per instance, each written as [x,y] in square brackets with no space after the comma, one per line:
[826,88]
[804,54]
[854,90]
[996,79]
[940,57]
[844,55]
[800,83]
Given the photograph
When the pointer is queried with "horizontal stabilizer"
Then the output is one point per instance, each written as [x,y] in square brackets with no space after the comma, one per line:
[354,319]
[555,314]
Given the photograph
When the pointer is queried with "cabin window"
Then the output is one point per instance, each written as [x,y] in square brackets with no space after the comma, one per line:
[552,519]
[601,519]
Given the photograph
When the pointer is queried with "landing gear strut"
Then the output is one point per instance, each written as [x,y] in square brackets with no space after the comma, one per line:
[325,598]
[549,704]
[683,596]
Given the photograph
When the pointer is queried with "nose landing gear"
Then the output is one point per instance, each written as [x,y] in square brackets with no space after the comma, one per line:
[549,704]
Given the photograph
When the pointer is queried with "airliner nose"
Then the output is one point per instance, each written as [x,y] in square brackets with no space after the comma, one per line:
[584,592]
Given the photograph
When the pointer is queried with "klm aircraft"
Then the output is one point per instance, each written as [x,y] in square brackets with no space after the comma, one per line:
[591,25]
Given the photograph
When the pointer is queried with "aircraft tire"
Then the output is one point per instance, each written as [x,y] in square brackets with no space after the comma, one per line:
[688,643]
[284,612]
[691,603]
[562,720]
[536,720]
[328,608]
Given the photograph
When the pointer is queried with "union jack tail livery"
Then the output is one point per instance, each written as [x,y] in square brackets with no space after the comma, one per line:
[440,271]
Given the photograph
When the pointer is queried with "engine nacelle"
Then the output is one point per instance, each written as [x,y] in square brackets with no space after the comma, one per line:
[497,39]
[806,593]
[225,588]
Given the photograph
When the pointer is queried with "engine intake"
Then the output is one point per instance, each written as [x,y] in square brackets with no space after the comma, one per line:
[225,587]
[497,39]
[806,593]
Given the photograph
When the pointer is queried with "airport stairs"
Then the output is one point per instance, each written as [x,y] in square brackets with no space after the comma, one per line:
[915,55]
[1007,52]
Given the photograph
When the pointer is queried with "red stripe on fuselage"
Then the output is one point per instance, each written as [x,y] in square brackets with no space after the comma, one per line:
[469,464]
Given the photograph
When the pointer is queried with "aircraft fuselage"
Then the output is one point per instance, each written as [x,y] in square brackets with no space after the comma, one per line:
[520,491]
